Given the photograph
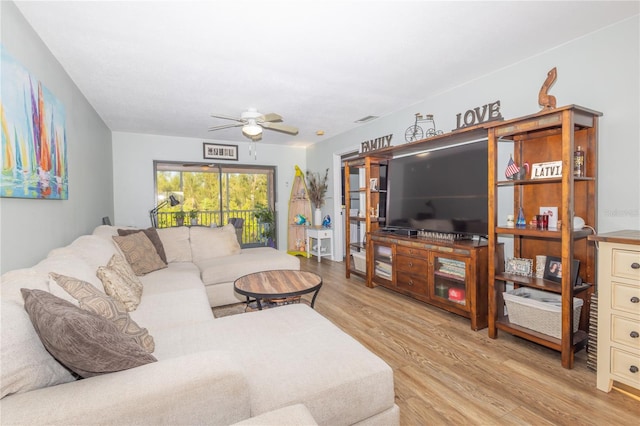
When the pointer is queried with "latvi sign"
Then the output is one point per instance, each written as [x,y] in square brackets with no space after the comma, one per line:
[550,169]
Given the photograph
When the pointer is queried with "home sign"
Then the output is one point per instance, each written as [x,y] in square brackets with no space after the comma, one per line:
[478,115]
[376,144]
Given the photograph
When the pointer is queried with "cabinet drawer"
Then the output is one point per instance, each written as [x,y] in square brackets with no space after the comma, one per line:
[413,252]
[412,265]
[625,297]
[412,283]
[625,331]
[626,264]
[320,234]
[626,365]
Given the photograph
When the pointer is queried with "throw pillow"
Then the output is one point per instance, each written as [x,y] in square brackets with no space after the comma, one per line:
[175,241]
[26,364]
[153,236]
[84,342]
[140,253]
[118,264]
[92,300]
[118,288]
[208,243]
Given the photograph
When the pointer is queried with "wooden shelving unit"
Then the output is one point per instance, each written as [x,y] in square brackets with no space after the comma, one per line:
[299,203]
[550,135]
[364,207]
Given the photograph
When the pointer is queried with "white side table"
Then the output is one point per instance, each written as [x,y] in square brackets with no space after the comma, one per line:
[319,234]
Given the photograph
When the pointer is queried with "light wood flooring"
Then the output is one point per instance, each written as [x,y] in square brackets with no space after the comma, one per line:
[445,373]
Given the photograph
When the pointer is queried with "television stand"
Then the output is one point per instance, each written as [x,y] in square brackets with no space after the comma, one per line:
[449,274]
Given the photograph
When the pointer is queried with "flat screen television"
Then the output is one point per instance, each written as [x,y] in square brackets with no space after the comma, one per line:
[444,191]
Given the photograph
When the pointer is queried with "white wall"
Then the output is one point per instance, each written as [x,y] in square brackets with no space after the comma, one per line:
[598,71]
[133,156]
[31,228]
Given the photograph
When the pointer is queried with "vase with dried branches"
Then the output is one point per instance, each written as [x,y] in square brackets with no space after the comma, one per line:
[317,188]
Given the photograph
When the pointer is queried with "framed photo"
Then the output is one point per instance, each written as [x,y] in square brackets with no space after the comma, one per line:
[373,184]
[216,151]
[553,269]
[519,266]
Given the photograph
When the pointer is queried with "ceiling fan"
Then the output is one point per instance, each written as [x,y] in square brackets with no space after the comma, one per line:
[253,122]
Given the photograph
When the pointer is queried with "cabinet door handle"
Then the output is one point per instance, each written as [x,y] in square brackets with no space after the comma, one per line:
[634,334]
[411,264]
[633,369]
[635,299]
[635,265]
[410,282]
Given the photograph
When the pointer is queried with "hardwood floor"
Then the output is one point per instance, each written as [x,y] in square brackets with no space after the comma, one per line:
[445,373]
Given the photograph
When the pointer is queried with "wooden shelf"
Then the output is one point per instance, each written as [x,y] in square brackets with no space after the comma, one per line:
[296,234]
[358,173]
[538,283]
[549,135]
[579,337]
[540,181]
[531,231]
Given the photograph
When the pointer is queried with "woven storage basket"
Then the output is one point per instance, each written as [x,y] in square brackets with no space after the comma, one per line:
[360,261]
[539,310]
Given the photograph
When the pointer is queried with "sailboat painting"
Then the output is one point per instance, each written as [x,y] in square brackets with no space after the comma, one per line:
[34,137]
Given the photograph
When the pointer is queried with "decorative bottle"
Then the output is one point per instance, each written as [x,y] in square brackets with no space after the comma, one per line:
[521,222]
[578,162]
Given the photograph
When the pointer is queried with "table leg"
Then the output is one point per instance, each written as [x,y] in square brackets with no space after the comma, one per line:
[313,299]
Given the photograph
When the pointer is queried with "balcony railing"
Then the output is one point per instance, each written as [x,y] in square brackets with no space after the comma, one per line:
[251,229]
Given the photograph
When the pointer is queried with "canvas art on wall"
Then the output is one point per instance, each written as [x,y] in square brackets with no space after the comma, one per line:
[34,138]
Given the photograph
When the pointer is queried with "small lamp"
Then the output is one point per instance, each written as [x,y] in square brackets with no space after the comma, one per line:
[153,213]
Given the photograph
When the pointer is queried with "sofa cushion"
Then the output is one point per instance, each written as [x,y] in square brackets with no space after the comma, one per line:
[153,236]
[92,300]
[208,243]
[140,253]
[26,364]
[173,297]
[230,268]
[338,370]
[176,243]
[84,342]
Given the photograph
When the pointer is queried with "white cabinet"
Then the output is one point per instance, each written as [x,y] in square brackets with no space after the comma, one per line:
[618,309]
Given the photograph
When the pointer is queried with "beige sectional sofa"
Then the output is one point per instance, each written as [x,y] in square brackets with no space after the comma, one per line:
[287,365]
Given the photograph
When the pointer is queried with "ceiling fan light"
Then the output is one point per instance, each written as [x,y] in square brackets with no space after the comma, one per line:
[251,129]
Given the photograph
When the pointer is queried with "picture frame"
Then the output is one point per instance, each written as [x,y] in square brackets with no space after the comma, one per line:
[519,266]
[216,151]
[373,184]
[553,269]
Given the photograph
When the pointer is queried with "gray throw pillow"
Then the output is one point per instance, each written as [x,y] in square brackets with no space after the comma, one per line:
[92,300]
[153,236]
[82,341]
[140,253]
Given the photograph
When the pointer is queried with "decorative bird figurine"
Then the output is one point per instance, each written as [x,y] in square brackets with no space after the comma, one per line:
[326,222]
[545,100]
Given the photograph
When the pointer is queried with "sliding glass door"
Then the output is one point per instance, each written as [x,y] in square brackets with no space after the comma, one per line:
[214,194]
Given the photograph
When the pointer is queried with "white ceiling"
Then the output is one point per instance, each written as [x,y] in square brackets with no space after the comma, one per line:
[164,67]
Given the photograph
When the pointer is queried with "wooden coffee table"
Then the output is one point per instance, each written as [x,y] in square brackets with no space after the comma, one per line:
[281,285]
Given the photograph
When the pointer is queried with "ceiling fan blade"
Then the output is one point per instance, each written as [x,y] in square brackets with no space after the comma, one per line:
[225,126]
[281,128]
[271,117]
[227,117]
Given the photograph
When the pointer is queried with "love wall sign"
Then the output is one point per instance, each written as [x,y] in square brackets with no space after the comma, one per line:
[479,115]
